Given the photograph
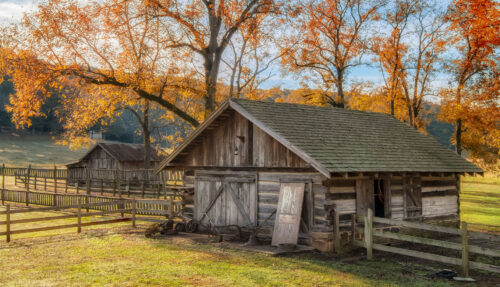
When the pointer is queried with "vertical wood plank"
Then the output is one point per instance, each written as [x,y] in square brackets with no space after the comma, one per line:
[7,222]
[369,234]
[465,250]
[134,208]
[79,213]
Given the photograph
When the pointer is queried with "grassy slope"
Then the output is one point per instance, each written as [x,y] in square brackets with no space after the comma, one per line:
[40,151]
[480,202]
[132,260]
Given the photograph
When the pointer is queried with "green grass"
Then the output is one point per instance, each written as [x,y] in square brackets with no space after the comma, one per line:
[130,259]
[480,202]
[40,151]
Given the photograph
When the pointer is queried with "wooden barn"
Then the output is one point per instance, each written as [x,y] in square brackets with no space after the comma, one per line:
[286,170]
[115,155]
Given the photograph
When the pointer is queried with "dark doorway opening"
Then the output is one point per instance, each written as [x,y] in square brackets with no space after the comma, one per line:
[379,197]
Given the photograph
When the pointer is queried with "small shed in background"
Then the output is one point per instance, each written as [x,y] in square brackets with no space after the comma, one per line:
[115,155]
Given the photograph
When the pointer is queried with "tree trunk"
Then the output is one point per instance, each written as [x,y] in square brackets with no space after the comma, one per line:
[212,63]
[340,87]
[458,137]
[147,137]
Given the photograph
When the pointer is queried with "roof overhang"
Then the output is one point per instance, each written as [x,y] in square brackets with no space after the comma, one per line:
[231,104]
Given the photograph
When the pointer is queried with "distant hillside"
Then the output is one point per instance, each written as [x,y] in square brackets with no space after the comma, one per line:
[441,131]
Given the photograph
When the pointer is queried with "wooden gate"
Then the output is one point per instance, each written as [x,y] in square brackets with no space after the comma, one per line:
[364,196]
[286,228]
[225,199]
[412,196]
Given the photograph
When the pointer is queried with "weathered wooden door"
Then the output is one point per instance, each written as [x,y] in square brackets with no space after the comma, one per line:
[225,199]
[412,196]
[288,215]
[364,196]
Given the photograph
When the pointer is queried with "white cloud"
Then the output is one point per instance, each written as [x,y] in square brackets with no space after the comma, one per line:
[11,11]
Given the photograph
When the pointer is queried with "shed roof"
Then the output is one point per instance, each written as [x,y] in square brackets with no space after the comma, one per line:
[124,152]
[343,140]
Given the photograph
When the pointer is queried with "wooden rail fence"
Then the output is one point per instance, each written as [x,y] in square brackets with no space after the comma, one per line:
[78,215]
[464,247]
[145,183]
[170,207]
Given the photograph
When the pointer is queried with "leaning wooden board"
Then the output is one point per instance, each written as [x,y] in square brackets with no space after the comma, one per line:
[286,228]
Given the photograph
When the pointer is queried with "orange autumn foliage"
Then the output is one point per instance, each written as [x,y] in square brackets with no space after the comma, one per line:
[473,103]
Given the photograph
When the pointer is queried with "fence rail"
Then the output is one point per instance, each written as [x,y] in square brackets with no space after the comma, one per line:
[465,248]
[169,207]
[78,215]
[145,183]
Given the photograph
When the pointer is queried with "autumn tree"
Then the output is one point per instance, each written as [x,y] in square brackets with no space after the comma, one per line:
[409,54]
[113,44]
[206,28]
[475,28]
[250,57]
[332,38]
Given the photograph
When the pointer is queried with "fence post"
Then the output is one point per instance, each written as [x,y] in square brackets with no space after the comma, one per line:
[45,184]
[55,179]
[134,208]
[369,234]
[87,173]
[465,250]
[3,184]
[7,222]
[114,182]
[27,178]
[87,203]
[79,228]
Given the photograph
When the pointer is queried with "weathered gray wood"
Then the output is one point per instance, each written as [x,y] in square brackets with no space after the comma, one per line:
[286,228]
[417,225]
[369,234]
[364,196]
[7,220]
[465,251]
[418,254]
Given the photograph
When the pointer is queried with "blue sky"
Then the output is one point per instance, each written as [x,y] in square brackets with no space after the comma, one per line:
[11,11]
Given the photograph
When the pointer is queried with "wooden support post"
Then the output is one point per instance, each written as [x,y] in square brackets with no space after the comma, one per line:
[3,184]
[115,179]
[369,234]
[78,187]
[143,188]
[134,211]
[128,187]
[55,179]
[171,208]
[353,226]
[102,186]
[336,231]
[35,182]
[7,222]
[54,200]
[87,203]
[465,250]
[45,184]
[79,228]
[87,177]
[27,182]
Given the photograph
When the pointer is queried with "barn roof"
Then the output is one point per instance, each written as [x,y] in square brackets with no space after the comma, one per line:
[124,152]
[341,140]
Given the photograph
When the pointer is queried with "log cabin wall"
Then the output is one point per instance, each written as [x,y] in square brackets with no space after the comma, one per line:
[236,142]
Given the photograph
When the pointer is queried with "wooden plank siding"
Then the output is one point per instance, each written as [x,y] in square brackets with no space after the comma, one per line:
[233,141]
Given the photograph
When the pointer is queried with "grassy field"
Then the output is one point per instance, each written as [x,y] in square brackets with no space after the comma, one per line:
[40,151]
[480,202]
[122,256]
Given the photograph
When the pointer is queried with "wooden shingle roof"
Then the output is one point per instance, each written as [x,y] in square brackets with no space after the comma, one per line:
[341,140]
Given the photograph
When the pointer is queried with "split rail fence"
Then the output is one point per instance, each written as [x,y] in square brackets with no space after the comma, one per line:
[144,183]
[368,232]
[170,208]
[111,207]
